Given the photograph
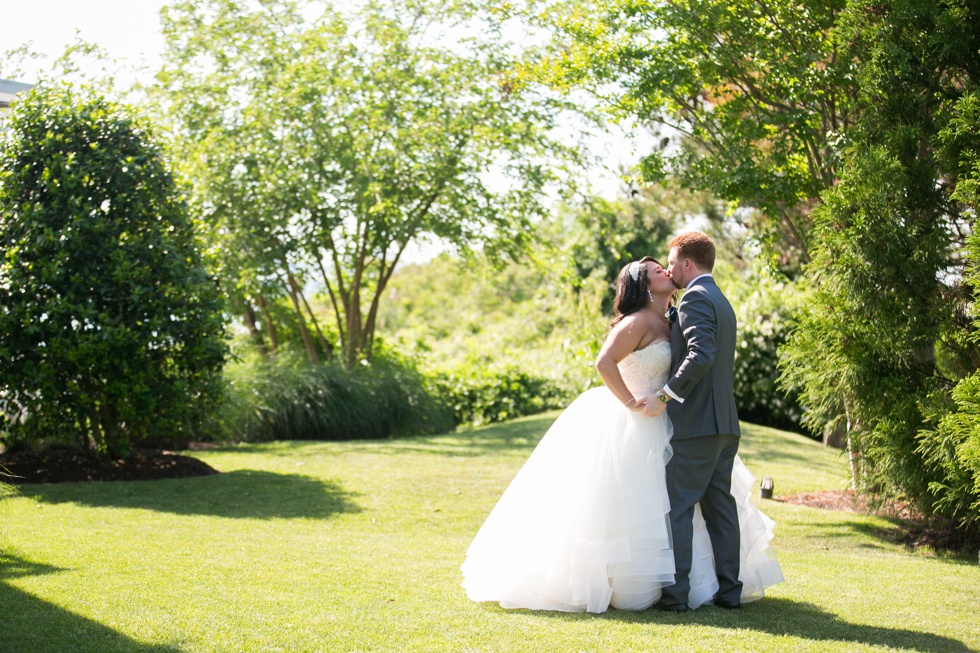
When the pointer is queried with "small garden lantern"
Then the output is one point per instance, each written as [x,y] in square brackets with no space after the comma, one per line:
[765,488]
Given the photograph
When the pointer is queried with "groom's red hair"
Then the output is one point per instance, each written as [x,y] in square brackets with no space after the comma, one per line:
[697,247]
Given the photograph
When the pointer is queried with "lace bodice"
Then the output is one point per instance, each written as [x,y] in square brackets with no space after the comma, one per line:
[646,370]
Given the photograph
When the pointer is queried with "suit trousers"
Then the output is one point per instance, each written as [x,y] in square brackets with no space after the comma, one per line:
[700,471]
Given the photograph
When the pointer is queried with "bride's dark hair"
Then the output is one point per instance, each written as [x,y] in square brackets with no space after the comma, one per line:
[631,295]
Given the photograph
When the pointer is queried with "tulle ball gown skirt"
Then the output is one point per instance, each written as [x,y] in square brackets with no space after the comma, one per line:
[584,524]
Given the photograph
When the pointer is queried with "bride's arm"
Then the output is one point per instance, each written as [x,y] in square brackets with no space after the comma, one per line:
[621,341]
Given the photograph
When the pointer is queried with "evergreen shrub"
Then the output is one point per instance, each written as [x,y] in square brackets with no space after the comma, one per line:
[111,332]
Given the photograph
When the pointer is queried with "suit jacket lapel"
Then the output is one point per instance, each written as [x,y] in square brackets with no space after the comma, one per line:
[678,343]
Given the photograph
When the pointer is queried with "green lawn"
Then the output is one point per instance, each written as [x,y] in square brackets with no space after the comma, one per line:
[356,546]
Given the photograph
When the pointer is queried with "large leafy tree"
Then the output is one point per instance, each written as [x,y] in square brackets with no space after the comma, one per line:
[324,147]
[850,125]
[111,330]
[751,98]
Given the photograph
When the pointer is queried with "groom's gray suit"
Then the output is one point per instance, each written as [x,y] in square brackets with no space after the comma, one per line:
[706,435]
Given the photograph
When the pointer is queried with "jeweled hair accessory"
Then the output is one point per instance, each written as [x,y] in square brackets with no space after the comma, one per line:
[635,268]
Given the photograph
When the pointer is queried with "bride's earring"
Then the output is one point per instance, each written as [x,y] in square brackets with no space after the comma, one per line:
[649,294]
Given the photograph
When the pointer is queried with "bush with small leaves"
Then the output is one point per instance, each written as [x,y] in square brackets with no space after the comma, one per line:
[111,332]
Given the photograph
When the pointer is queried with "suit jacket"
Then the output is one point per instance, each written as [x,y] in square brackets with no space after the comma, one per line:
[702,369]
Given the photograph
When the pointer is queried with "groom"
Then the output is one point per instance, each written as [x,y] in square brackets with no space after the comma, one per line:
[699,398]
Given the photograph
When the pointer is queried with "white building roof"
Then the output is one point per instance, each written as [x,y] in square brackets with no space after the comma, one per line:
[9,88]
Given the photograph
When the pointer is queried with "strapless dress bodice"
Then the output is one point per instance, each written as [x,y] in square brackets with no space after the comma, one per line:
[646,370]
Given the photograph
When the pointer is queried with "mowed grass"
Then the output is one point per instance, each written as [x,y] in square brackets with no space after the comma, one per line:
[356,546]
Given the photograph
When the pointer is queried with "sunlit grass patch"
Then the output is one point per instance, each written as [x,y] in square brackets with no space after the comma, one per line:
[356,546]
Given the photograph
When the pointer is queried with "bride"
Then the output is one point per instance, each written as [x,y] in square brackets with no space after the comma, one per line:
[584,524]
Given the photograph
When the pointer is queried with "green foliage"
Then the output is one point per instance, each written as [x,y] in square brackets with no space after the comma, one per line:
[480,394]
[600,236]
[763,305]
[535,327]
[953,445]
[864,338]
[953,448]
[885,335]
[390,124]
[470,321]
[283,397]
[110,326]
[752,97]
[496,343]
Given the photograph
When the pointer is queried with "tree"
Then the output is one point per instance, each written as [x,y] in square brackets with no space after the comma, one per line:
[889,312]
[951,443]
[110,326]
[599,236]
[321,149]
[751,97]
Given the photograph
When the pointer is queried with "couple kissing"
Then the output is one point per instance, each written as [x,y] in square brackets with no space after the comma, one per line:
[636,497]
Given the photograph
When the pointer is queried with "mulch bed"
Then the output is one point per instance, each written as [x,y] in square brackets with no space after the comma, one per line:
[61,465]
[849,501]
[914,531]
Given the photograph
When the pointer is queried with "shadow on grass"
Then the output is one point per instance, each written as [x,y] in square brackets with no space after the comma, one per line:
[519,436]
[515,437]
[31,624]
[787,618]
[808,621]
[241,494]
[950,545]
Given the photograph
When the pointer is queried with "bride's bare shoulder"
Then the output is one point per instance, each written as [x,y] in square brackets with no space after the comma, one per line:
[641,327]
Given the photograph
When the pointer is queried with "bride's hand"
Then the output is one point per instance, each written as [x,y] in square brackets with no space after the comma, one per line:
[636,405]
[653,408]
[642,404]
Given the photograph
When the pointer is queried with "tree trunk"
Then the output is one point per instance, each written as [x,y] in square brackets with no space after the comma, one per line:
[336,308]
[304,333]
[253,330]
[324,345]
[853,453]
[354,341]
[355,332]
[269,326]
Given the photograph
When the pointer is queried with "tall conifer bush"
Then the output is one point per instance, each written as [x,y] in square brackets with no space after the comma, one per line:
[886,334]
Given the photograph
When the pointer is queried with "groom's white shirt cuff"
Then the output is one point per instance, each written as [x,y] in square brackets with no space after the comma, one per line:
[670,392]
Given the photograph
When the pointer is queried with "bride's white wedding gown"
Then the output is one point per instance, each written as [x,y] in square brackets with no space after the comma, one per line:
[584,524]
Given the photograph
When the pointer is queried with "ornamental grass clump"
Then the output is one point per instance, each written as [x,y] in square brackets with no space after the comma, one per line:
[284,397]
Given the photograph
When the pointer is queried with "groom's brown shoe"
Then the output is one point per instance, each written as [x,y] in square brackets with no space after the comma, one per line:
[665,607]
